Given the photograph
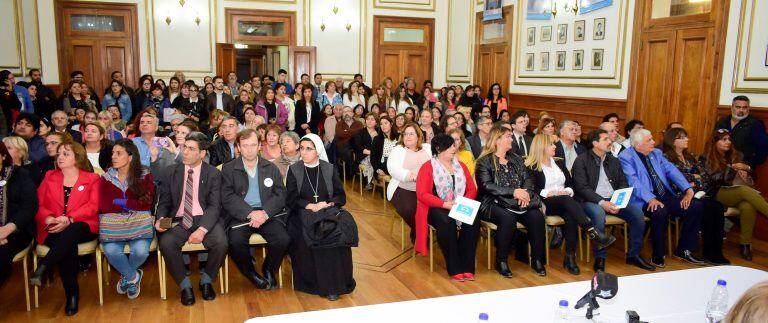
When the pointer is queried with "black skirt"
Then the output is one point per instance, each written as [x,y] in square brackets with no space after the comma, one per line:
[319,271]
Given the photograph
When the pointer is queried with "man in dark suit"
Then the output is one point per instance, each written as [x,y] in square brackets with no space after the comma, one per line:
[521,143]
[218,99]
[252,193]
[476,142]
[567,148]
[223,149]
[191,199]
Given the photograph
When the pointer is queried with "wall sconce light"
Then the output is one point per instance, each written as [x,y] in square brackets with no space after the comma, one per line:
[348,26]
[335,8]
[197,20]
[182,2]
[322,24]
[574,8]
[168,20]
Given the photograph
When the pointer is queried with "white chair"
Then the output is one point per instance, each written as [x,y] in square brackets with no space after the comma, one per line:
[189,247]
[127,250]
[85,248]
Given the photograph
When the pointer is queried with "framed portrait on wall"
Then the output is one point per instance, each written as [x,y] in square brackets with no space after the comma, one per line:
[578,30]
[544,64]
[592,5]
[546,33]
[539,10]
[560,65]
[598,29]
[529,62]
[578,59]
[531,36]
[562,33]
[597,59]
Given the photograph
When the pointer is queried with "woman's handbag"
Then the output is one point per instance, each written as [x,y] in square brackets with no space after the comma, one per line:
[126,226]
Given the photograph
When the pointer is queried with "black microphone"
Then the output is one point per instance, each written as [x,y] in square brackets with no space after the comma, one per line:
[604,285]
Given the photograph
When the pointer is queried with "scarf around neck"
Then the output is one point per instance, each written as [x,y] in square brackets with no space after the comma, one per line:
[448,188]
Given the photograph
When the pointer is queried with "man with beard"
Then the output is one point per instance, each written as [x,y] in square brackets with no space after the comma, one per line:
[747,133]
[345,131]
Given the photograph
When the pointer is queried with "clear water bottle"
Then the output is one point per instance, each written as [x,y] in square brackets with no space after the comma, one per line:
[717,307]
[561,313]
[483,318]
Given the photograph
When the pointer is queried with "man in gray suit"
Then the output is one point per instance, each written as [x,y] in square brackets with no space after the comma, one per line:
[253,196]
[190,197]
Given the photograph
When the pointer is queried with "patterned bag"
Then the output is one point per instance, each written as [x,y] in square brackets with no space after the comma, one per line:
[126,226]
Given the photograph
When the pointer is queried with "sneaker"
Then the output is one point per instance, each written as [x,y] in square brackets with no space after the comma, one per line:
[458,278]
[122,285]
[134,287]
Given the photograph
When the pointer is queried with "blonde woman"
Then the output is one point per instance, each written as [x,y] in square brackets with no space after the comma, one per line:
[465,156]
[554,184]
[105,118]
[751,307]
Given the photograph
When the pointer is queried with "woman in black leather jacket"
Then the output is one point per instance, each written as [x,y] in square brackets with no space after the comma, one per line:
[505,190]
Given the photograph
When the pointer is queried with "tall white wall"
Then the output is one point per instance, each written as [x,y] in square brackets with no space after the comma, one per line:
[745,66]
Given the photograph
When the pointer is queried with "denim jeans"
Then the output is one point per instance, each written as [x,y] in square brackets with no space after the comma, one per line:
[127,265]
[635,223]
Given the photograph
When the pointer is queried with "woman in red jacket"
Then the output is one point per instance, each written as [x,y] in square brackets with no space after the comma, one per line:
[438,184]
[68,215]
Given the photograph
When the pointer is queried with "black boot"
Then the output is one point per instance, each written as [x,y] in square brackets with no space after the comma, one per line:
[270,278]
[503,269]
[746,251]
[72,304]
[600,239]
[538,267]
[38,276]
[257,280]
[570,263]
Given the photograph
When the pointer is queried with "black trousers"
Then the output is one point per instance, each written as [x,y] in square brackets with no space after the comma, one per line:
[64,253]
[458,250]
[574,216]
[691,220]
[278,240]
[172,240]
[17,241]
[345,153]
[405,205]
[506,223]
[712,227]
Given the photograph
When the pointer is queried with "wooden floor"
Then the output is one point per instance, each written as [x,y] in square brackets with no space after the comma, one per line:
[383,272]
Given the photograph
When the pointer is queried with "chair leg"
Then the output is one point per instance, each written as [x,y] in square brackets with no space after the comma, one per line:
[360,175]
[546,244]
[99,275]
[402,234]
[488,246]
[165,278]
[384,195]
[26,282]
[160,274]
[431,252]
[226,274]
[589,249]
[34,268]
[626,239]
[280,275]
[105,264]
[581,251]
[669,238]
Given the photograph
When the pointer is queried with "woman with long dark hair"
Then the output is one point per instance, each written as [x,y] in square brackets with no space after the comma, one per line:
[675,149]
[382,146]
[118,96]
[496,101]
[126,190]
[269,107]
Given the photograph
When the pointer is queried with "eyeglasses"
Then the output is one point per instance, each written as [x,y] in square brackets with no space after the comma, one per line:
[409,134]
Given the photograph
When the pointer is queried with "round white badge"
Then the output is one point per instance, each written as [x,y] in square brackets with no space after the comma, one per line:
[2,183]
[268,182]
[80,188]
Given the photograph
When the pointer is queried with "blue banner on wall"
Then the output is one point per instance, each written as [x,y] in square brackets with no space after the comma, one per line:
[592,5]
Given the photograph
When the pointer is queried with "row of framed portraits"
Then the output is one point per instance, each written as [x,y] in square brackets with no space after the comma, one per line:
[579,32]
[577,64]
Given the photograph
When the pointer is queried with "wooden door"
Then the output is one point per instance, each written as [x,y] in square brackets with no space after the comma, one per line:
[493,51]
[408,53]
[226,58]
[97,38]
[675,69]
[302,60]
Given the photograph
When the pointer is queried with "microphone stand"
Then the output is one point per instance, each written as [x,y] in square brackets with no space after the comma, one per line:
[591,302]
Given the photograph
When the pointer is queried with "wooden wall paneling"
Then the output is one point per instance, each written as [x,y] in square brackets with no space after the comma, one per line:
[115,58]
[302,60]
[656,62]
[588,112]
[493,61]
[226,58]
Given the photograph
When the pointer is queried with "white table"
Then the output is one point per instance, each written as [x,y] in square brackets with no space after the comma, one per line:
[674,296]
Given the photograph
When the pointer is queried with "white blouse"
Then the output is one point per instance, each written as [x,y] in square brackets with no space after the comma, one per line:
[555,179]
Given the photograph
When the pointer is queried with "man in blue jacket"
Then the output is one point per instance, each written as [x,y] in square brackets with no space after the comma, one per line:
[662,192]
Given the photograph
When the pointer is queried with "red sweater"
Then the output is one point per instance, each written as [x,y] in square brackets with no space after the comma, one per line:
[109,192]
[427,199]
[83,205]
